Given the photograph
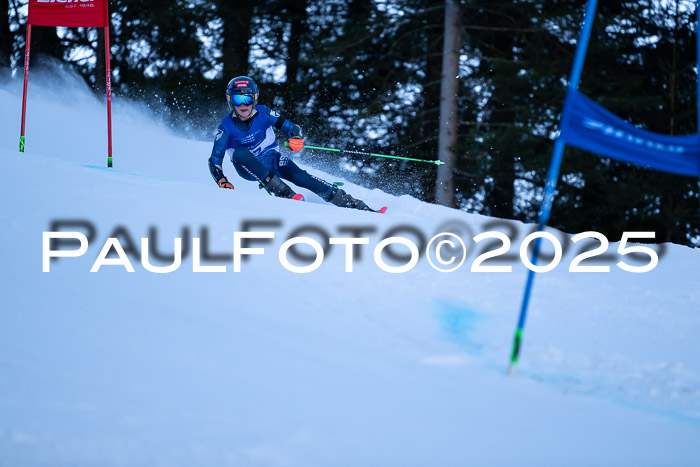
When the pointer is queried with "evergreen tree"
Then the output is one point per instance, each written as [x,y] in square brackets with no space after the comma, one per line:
[367,74]
[633,71]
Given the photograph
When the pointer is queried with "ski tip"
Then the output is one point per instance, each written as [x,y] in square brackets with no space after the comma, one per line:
[298,197]
[383,210]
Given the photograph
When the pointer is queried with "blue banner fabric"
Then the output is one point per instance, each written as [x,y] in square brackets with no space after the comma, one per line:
[588,126]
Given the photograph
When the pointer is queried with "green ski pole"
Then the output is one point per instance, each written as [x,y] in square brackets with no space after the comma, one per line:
[361,153]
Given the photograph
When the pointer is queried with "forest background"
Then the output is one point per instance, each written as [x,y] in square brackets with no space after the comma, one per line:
[368,75]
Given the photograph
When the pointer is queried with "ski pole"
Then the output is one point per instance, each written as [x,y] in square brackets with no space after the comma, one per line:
[361,153]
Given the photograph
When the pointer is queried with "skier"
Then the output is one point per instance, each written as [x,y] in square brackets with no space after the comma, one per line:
[246,134]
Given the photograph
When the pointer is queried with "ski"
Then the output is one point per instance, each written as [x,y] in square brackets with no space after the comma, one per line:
[298,197]
[381,210]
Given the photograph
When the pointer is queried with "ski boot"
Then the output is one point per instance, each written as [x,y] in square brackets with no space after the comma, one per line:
[275,186]
[340,198]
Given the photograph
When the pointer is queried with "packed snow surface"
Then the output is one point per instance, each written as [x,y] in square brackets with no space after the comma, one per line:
[269,367]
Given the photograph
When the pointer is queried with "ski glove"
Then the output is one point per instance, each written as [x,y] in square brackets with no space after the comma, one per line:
[296,144]
[224,183]
[296,141]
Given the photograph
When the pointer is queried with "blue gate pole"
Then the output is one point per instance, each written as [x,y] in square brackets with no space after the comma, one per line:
[552,177]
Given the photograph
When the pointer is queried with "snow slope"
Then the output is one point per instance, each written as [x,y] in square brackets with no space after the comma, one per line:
[266,367]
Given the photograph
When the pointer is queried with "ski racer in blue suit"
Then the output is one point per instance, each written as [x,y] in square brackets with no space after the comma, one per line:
[246,134]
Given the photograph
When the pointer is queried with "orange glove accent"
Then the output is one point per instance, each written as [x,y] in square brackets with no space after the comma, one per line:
[296,144]
[224,183]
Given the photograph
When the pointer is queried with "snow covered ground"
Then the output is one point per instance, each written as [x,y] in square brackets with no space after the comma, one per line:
[267,367]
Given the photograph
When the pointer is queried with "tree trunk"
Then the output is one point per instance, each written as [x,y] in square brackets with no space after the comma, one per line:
[298,18]
[237,17]
[449,120]
[430,114]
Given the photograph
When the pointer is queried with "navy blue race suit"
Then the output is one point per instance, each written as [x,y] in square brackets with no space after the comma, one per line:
[254,152]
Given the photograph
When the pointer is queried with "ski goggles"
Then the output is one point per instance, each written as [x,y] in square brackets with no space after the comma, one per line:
[242,99]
